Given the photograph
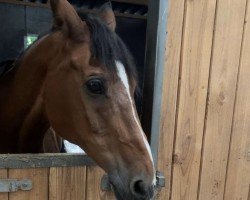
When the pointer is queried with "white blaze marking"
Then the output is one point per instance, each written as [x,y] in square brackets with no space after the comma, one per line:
[123,76]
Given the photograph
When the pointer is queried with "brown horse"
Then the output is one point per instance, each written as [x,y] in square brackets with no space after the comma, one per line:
[80,80]
[52,143]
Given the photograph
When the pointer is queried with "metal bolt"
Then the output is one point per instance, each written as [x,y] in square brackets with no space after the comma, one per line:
[24,185]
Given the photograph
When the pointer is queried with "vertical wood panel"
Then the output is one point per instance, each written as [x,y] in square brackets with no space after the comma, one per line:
[170,87]
[225,63]
[238,176]
[93,190]
[195,64]
[39,177]
[66,183]
[3,175]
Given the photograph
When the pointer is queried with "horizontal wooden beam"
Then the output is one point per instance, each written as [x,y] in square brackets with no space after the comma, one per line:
[20,161]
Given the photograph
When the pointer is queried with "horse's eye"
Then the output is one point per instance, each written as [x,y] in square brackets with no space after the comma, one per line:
[95,86]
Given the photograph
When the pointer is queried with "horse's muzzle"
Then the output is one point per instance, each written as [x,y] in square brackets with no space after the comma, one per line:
[137,189]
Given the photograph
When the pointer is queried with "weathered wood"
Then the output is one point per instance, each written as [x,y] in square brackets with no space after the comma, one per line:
[17,161]
[238,175]
[93,184]
[39,178]
[67,183]
[222,89]
[170,87]
[3,175]
[194,76]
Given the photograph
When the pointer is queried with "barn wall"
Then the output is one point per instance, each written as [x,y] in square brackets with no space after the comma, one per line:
[205,140]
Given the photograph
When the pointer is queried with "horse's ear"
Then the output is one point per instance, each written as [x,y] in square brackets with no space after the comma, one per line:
[107,15]
[67,20]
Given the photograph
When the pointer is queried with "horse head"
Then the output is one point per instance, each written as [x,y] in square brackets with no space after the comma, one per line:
[88,97]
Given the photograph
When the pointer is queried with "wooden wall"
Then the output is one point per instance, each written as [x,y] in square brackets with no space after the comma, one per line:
[205,123]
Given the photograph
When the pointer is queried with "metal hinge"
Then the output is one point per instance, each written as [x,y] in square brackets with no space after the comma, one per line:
[160,179]
[13,185]
[106,186]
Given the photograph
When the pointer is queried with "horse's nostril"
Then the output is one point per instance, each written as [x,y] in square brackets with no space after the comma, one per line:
[139,188]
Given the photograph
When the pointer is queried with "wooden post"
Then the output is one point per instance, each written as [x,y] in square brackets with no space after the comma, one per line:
[238,172]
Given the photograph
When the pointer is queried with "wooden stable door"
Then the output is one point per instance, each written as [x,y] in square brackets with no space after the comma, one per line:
[53,177]
[57,183]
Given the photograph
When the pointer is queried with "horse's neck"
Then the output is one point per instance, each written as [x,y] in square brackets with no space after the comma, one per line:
[22,115]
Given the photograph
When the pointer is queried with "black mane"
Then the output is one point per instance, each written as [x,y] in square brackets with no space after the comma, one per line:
[106,46]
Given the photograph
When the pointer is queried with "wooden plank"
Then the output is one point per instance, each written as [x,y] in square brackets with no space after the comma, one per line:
[17,161]
[170,87]
[222,89]
[3,175]
[238,176]
[194,76]
[93,190]
[67,183]
[39,178]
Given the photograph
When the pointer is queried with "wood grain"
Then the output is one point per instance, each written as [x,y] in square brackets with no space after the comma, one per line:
[194,76]
[20,161]
[170,87]
[224,70]
[93,191]
[238,176]
[4,175]
[67,183]
[39,179]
